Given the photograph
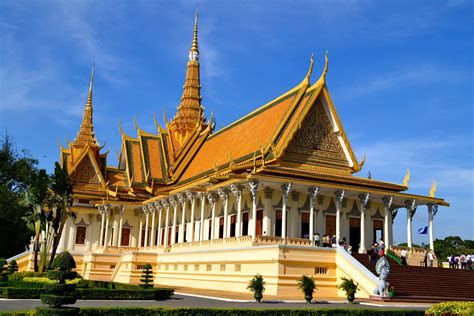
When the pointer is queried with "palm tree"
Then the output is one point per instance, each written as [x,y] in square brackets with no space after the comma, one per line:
[36,198]
[60,203]
[307,285]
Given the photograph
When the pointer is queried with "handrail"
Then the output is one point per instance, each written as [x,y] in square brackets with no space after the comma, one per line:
[359,266]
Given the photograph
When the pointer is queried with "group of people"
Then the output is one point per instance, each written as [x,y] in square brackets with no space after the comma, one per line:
[460,262]
[428,256]
[376,251]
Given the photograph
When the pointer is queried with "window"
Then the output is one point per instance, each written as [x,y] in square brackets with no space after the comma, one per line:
[185,268]
[196,267]
[125,241]
[245,224]
[80,235]
[221,227]
[237,267]
[222,267]
[320,270]
[208,267]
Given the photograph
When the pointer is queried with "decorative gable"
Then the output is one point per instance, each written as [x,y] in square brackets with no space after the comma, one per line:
[85,173]
[316,142]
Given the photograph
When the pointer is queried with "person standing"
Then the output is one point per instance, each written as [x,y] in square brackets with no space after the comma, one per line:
[462,259]
[316,240]
[469,261]
[425,257]
[451,261]
[431,257]
[403,256]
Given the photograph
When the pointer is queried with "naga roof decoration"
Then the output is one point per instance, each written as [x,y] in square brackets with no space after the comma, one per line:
[297,135]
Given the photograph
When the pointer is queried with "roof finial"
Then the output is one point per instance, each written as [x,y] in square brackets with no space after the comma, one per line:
[194,52]
[310,70]
[89,97]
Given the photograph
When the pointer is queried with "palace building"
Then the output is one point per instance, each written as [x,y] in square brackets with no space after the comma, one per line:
[209,209]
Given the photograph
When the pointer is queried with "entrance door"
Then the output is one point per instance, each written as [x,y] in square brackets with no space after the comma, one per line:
[125,241]
[210,229]
[331,225]
[169,236]
[221,227]
[259,222]
[304,224]
[278,222]
[245,224]
[354,233]
[232,226]
[378,230]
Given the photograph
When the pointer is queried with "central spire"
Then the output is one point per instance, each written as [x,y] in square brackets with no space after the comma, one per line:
[190,114]
[86,135]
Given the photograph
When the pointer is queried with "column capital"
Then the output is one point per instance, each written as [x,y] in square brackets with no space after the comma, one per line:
[387,201]
[313,193]
[190,195]
[151,208]
[223,193]
[254,184]
[165,203]
[144,209]
[172,201]
[364,199]
[201,195]
[286,189]
[158,206]
[236,190]
[106,209]
[181,198]
[339,194]
[212,197]
[122,209]
[411,207]
[433,207]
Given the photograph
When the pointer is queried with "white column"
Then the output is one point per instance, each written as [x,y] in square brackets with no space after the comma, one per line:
[432,210]
[102,225]
[145,210]
[387,203]
[411,209]
[174,203]
[212,201]
[364,200]
[167,220]
[254,184]
[202,197]
[224,194]
[286,188]
[115,225]
[159,209]
[339,197]
[140,231]
[313,194]
[107,212]
[192,198]
[151,209]
[122,211]
[182,202]
[237,190]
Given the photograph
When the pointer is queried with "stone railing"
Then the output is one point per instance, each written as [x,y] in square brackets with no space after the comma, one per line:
[117,249]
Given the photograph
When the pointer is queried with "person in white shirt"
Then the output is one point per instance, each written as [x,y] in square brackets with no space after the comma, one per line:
[403,256]
[431,257]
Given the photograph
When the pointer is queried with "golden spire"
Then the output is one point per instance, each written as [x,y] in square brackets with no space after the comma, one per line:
[190,112]
[407,177]
[86,135]
[433,189]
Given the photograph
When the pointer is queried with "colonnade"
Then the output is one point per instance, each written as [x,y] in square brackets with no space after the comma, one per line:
[158,217]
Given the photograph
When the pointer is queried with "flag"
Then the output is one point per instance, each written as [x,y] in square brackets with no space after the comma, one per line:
[423,230]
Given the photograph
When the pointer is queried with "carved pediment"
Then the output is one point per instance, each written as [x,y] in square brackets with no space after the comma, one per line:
[316,140]
[85,173]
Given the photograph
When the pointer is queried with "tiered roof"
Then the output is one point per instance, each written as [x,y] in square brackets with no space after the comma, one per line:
[296,135]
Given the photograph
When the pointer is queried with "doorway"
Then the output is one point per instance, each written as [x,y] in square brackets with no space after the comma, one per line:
[354,233]
[232,226]
[278,221]
[378,230]
[305,225]
[259,222]
[331,225]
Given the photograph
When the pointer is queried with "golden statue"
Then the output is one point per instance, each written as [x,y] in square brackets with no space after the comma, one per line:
[407,178]
[433,189]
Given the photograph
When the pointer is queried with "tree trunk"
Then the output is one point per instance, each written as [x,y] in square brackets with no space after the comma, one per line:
[36,250]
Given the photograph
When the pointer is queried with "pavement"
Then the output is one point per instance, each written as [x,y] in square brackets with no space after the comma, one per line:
[191,300]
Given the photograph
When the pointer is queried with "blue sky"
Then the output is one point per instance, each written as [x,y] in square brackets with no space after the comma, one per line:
[400,75]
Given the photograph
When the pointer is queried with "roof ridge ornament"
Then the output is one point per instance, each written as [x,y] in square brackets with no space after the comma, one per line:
[407,178]
[433,189]
[307,78]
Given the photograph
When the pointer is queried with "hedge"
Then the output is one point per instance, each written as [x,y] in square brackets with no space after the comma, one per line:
[92,293]
[143,311]
[135,294]
[63,311]
[451,308]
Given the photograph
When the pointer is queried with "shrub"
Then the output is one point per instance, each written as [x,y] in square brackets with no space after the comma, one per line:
[3,270]
[349,287]
[12,267]
[22,293]
[147,276]
[135,294]
[18,276]
[307,285]
[257,287]
[61,293]
[451,308]
[66,311]
[38,280]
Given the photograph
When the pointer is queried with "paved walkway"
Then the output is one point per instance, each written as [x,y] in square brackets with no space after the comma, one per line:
[185,300]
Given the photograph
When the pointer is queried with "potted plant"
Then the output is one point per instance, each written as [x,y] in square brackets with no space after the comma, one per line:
[307,285]
[257,287]
[147,277]
[391,291]
[349,287]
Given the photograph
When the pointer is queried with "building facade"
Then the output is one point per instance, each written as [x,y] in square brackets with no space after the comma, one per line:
[208,208]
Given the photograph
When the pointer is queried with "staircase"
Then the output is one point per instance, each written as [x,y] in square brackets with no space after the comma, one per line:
[420,284]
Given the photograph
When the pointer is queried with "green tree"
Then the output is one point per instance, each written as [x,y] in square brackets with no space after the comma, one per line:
[147,276]
[17,171]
